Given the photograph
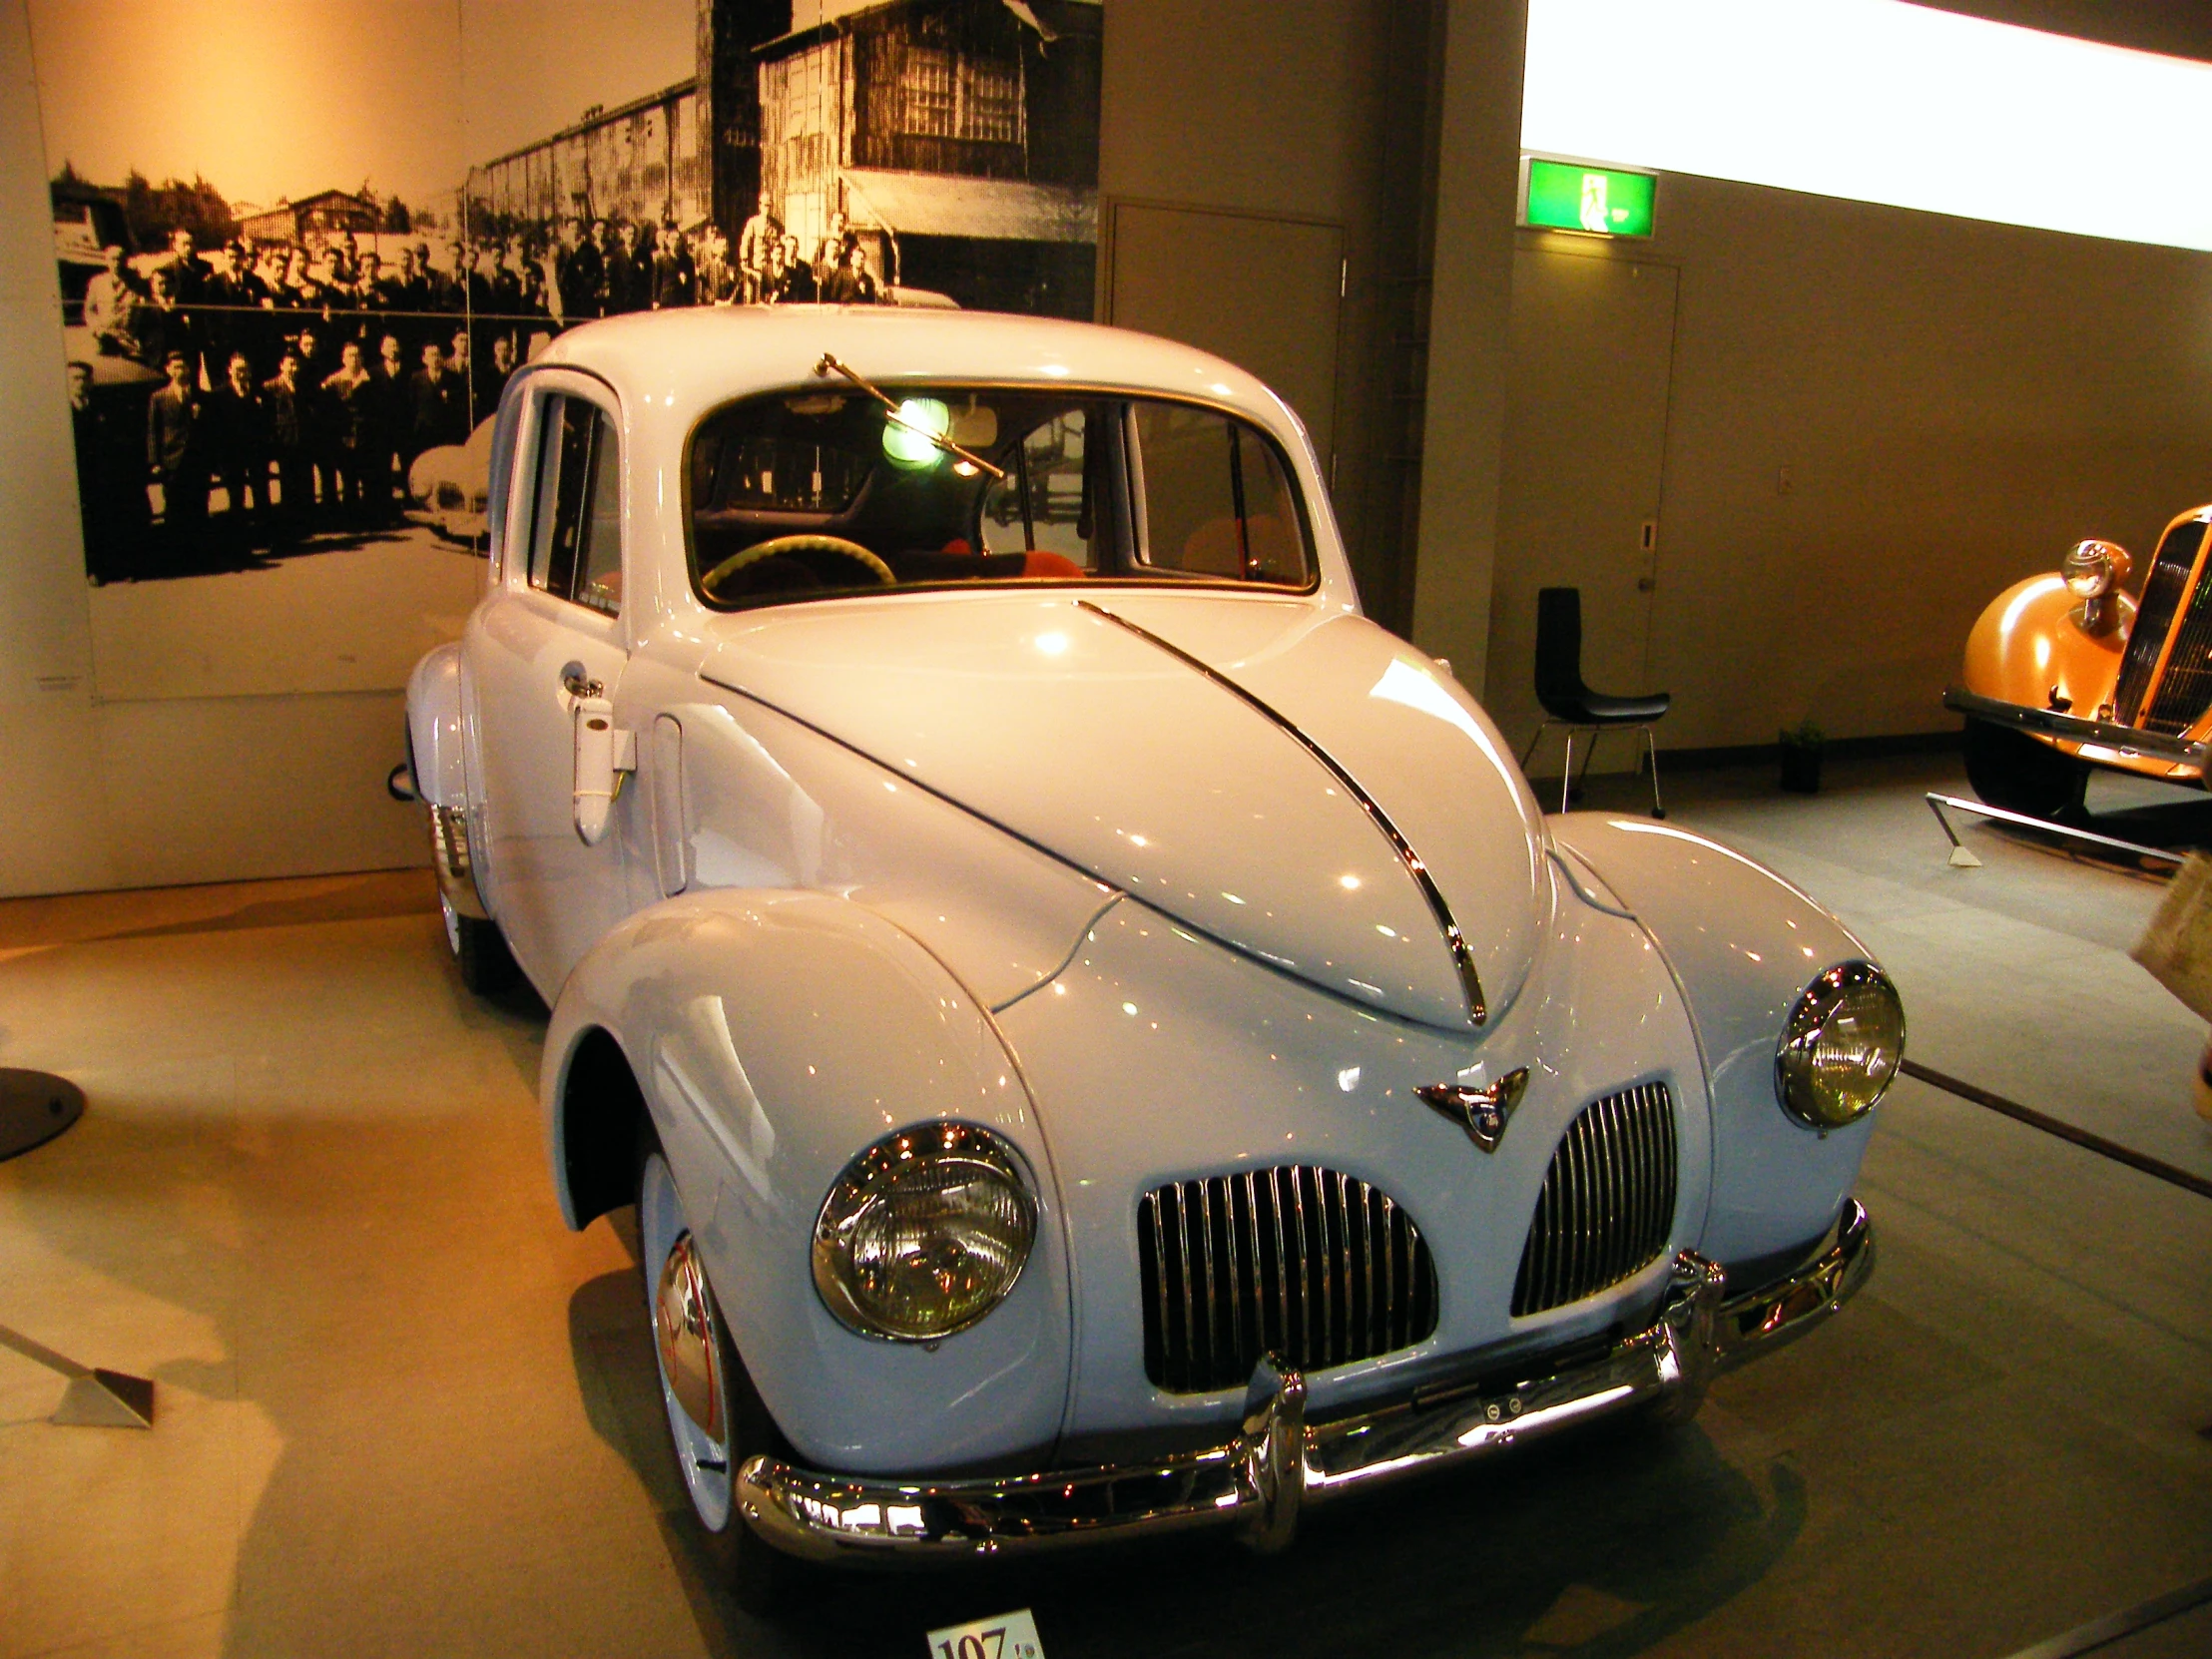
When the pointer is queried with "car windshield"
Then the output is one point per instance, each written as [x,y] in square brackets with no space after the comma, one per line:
[813,494]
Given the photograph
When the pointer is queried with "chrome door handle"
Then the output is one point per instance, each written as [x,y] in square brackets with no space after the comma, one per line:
[577,684]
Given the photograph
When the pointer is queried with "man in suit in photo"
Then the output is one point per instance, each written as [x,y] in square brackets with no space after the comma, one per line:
[239,423]
[395,417]
[111,480]
[162,326]
[349,419]
[438,404]
[490,380]
[673,272]
[289,422]
[113,299]
[176,449]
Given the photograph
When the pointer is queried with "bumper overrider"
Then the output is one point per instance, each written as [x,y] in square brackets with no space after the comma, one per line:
[1259,1482]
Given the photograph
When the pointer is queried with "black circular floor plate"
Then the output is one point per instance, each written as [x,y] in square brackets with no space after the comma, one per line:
[35,1106]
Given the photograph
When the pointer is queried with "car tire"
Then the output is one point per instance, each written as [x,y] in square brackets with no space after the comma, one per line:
[479,951]
[2021,773]
[758,1577]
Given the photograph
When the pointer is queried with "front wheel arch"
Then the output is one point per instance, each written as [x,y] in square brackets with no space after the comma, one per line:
[601,1116]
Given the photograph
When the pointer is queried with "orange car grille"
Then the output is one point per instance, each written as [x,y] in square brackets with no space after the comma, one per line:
[2176,709]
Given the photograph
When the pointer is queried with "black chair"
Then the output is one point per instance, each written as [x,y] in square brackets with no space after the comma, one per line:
[1567,702]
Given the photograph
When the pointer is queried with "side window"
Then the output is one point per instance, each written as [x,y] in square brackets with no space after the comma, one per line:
[1216,499]
[576,515]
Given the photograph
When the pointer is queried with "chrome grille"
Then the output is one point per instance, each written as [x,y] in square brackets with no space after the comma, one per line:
[1311,1264]
[2186,686]
[2154,615]
[1607,1203]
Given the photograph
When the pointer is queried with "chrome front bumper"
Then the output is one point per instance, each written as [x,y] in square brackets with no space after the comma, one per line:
[2130,740]
[1279,1463]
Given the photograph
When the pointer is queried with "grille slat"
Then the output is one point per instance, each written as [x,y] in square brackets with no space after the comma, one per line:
[1313,1265]
[1393,1307]
[1259,1296]
[1190,1299]
[2154,615]
[1607,1202]
[1281,1262]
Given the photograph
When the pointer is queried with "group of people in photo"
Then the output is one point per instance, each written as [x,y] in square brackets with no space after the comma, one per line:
[300,381]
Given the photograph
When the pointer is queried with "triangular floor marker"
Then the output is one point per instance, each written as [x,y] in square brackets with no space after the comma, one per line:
[95,1399]
[107,1400]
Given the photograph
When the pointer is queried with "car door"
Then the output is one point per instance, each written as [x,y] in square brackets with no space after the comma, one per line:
[552,632]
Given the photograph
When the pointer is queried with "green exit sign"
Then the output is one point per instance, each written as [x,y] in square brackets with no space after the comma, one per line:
[1604,201]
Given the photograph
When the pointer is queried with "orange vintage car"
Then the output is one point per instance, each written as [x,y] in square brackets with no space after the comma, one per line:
[2065,672]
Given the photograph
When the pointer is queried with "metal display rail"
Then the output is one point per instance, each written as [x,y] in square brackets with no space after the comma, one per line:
[1959,855]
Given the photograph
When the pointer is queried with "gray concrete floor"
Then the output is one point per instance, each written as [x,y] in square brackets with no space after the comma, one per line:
[403,1410]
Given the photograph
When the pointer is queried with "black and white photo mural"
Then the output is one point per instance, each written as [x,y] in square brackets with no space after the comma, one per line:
[302,249]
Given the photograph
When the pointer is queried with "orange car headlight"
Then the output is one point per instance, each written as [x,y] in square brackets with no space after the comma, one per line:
[2093,568]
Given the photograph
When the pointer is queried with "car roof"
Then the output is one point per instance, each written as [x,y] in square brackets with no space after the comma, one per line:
[687,361]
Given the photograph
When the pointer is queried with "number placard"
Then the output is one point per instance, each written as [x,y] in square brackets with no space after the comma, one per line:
[1004,1636]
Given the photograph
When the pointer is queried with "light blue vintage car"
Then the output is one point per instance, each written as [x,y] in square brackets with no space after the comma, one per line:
[1101,1038]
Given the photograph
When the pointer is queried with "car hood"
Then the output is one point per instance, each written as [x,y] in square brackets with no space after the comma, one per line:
[1286,778]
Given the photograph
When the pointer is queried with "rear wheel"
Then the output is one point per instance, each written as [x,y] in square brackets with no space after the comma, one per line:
[715,1416]
[2021,773]
[479,951]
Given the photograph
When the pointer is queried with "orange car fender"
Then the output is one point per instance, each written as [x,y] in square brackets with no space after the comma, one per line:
[2030,647]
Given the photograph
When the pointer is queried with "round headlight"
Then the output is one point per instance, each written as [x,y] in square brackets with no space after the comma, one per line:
[1841,1045]
[924,1233]
[2091,567]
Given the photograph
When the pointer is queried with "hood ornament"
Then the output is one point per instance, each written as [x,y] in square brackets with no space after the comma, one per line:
[1484,1113]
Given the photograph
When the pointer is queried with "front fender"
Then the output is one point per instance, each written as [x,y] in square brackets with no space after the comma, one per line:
[1743,944]
[773,1036]
[434,729]
[2030,644]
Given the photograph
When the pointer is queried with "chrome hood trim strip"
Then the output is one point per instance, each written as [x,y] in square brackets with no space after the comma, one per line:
[1462,958]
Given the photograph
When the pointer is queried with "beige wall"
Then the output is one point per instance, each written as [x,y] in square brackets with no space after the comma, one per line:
[1470,302]
[1954,402]
[1272,107]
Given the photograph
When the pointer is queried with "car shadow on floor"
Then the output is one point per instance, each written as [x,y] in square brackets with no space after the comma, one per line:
[1599,1545]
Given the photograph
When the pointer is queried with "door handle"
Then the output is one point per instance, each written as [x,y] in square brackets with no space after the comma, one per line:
[579,684]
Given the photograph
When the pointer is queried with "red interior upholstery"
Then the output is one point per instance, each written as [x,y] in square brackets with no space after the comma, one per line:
[1213,548]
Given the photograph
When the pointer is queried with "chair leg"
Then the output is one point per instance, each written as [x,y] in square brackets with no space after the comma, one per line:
[1651,754]
[1566,772]
[1531,753]
[1588,755]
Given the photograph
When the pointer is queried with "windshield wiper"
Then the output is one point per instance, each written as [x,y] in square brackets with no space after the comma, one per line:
[831,365]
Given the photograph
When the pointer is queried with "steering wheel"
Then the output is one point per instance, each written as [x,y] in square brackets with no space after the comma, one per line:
[781,545]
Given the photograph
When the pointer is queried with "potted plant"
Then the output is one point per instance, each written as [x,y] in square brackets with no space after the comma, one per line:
[1801,758]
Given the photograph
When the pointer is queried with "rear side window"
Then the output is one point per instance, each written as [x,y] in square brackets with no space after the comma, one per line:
[576,512]
[1216,501]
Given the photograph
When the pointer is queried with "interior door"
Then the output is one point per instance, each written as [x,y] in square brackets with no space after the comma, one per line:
[1591,344]
[552,632]
[1264,292]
